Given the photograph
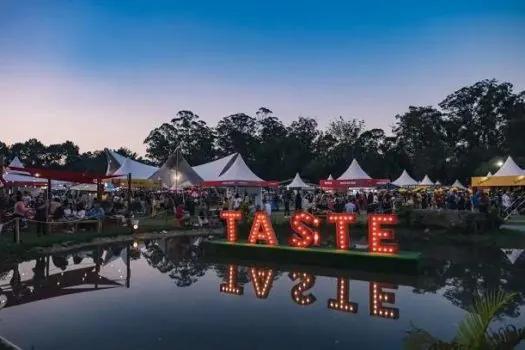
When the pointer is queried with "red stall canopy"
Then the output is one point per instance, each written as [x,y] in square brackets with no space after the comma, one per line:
[61,175]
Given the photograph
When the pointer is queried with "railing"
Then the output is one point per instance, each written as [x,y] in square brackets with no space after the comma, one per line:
[518,204]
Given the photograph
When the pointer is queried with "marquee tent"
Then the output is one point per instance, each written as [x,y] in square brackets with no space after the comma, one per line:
[510,174]
[177,173]
[297,182]
[509,168]
[458,184]
[489,174]
[239,174]
[354,176]
[354,172]
[212,170]
[426,181]
[138,171]
[20,177]
[330,178]
[438,183]
[405,180]
[115,161]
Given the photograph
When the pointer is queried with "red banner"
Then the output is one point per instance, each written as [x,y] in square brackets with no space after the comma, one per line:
[353,183]
[240,184]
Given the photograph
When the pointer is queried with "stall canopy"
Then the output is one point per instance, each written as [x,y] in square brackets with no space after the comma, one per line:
[239,174]
[177,173]
[297,182]
[61,175]
[405,180]
[354,176]
[20,177]
[212,170]
[458,184]
[509,168]
[426,181]
[138,170]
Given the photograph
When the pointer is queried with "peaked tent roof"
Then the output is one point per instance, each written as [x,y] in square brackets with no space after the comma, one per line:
[330,178]
[297,182]
[426,181]
[16,163]
[458,184]
[212,170]
[509,168]
[138,170]
[438,183]
[489,174]
[20,177]
[512,254]
[177,173]
[239,174]
[115,161]
[405,180]
[354,172]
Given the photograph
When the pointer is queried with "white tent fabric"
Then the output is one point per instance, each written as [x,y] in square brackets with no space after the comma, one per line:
[17,176]
[509,168]
[330,178]
[405,180]
[239,171]
[458,184]
[137,170]
[438,183]
[512,254]
[354,172]
[297,182]
[426,181]
[489,174]
[212,170]
[112,158]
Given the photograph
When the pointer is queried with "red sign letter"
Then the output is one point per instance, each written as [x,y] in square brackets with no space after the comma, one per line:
[376,234]
[341,221]
[307,282]
[231,286]
[378,297]
[262,282]
[306,236]
[231,217]
[342,302]
[262,229]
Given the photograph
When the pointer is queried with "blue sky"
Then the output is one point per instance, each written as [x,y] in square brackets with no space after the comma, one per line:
[104,73]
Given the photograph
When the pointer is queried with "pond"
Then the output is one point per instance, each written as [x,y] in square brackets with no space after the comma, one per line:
[166,295]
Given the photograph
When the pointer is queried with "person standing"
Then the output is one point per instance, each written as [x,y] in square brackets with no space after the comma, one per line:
[41,216]
[286,200]
[298,202]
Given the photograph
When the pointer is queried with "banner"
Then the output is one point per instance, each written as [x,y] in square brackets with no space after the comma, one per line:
[353,183]
[498,181]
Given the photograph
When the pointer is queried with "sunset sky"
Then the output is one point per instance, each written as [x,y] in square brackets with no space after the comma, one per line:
[103,73]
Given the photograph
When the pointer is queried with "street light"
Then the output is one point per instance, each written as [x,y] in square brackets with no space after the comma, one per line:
[499,163]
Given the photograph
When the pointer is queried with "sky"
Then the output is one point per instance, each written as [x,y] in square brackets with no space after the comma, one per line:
[103,73]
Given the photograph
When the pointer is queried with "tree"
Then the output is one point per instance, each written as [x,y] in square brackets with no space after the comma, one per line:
[237,133]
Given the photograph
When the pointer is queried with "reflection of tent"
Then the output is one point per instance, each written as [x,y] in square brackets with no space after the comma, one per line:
[509,168]
[354,172]
[177,173]
[512,254]
[238,174]
[20,178]
[297,182]
[405,180]
[458,184]
[212,170]
[426,181]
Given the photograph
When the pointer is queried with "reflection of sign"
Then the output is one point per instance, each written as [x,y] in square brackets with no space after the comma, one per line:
[262,281]
[305,234]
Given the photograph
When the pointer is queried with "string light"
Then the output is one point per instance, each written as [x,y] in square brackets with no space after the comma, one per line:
[307,282]
[376,234]
[305,236]
[378,296]
[262,229]
[231,217]
[341,221]
[342,302]
[231,287]
[262,280]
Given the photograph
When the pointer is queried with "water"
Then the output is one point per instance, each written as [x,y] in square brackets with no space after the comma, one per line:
[170,297]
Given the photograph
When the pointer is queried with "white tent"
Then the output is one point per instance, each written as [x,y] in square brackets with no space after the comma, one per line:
[330,178]
[14,177]
[405,180]
[297,182]
[438,183]
[239,172]
[458,184]
[137,170]
[115,161]
[354,172]
[426,181]
[509,168]
[489,174]
[212,170]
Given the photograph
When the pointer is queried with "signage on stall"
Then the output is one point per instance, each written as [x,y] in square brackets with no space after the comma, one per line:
[305,227]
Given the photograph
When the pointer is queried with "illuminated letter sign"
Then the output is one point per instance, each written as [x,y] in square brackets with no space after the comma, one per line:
[307,282]
[376,234]
[341,221]
[231,217]
[231,286]
[378,297]
[304,236]
[262,281]
[262,229]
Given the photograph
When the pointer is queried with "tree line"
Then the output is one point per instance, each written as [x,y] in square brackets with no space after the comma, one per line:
[466,134]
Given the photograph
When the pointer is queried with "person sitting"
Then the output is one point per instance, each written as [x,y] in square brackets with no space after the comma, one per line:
[95,213]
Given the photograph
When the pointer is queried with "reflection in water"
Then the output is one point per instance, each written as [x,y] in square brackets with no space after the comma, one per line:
[232,287]
[379,297]
[297,292]
[342,302]
[262,280]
